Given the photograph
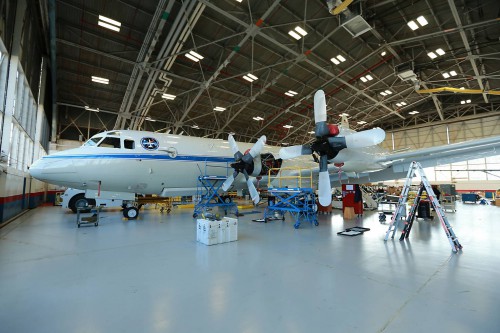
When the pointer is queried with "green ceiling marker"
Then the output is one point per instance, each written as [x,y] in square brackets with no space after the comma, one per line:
[237,48]
[165,15]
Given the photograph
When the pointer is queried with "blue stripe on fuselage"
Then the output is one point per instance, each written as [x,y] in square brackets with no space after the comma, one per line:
[184,158]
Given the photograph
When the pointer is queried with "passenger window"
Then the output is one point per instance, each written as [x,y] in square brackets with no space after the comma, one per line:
[110,142]
[128,144]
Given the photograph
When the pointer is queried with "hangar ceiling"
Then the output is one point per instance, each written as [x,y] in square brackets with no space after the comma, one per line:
[382,72]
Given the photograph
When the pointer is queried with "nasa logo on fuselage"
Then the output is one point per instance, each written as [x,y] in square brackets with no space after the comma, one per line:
[149,143]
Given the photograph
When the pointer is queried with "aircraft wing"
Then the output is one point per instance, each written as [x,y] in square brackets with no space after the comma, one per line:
[398,163]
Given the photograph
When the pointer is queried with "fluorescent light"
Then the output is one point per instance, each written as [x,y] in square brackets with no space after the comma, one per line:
[258,118]
[344,114]
[168,96]
[108,20]
[335,61]
[109,23]
[341,58]
[388,92]
[362,122]
[453,73]
[250,77]
[301,31]
[423,22]
[432,55]
[398,104]
[288,94]
[383,53]
[191,57]
[463,88]
[239,0]
[195,126]
[291,93]
[369,77]
[440,51]
[363,79]
[462,102]
[468,101]
[383,93]
[287,126]
[220,109]
[446,75]
[311,132]
[412,25]
[149,119]
[403,103]
[294,34]
[88,108]
[197,55]
[108,26]
[100,80]
[413,112]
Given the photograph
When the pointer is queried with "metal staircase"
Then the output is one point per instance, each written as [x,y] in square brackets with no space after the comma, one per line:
[398,213]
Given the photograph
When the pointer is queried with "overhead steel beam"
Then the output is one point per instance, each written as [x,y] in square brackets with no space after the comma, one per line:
[458,21]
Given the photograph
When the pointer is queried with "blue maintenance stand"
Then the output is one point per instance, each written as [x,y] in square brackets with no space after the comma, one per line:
[299,202]
[208,196]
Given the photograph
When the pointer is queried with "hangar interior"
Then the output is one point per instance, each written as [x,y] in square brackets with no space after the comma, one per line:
[426,72]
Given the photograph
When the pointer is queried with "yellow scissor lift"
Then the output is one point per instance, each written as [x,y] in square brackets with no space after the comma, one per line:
[294,194]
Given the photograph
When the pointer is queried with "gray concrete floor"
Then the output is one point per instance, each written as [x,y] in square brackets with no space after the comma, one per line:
[150,275]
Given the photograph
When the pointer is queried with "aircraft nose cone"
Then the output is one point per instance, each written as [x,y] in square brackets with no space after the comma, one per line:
[35,170]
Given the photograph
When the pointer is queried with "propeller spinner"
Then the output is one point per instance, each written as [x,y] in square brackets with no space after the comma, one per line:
[244,163]
[327,145]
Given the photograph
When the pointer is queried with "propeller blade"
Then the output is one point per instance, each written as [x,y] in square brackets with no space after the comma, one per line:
[229,181]
[233,144]
[294,151]
[319,106]
[366,138]
[257,147]
[253,192]
[324,189]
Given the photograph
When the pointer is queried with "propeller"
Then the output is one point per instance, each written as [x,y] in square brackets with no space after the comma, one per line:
[244,163]
[327,145]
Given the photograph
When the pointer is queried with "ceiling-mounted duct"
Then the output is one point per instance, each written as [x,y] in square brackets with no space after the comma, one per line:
[406,71]
[352,20]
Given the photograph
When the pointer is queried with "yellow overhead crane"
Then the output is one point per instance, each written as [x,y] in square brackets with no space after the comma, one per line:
[340,8]
[458,90]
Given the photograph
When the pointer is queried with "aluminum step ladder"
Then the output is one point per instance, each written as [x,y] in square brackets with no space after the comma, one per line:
[398,213]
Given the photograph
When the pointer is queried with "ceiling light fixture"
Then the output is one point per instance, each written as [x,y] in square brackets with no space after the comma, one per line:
[440,52]
[311,132]
[432,55]
[366,78]
[109,23]
[344,114]
[250,77]
[88,108]
[300,31]
[383,53]
[413,112]
[287,126]
[335,61]
[341,58]
[100,80]
[446,75]
[423,22]
[195,126]
[194,56]
[413,25]
[258,118]
[220,109]
[383,93]
[291,93]
[362,122]
[149,119]
[294,34]
[168,96]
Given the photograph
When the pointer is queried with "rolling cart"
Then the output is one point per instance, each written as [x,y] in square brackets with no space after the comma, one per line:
[87,215]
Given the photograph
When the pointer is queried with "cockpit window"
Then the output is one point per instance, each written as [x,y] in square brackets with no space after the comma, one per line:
[93,141]
[110,142]
[128,144]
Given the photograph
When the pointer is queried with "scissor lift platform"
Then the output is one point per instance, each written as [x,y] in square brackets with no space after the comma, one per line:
[208,196]
[299,202]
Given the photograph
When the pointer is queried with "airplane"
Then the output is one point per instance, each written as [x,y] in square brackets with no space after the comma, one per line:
[169,165]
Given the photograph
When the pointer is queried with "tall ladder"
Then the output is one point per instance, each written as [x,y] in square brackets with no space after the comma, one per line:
[398,213]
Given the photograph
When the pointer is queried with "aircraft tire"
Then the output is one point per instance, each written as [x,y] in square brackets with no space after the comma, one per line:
[79,200]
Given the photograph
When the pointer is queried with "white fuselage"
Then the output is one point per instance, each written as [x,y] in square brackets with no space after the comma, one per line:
[158,163]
